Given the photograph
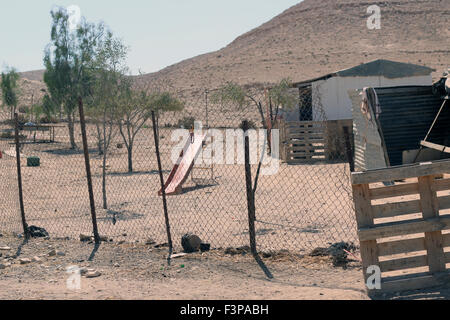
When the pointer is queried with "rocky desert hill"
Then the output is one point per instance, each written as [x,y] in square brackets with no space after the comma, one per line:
[314,38]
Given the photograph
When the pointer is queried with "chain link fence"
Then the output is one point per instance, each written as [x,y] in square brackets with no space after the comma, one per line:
[304,202]
[10,220]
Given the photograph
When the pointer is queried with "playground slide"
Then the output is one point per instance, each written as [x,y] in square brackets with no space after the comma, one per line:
[183,167]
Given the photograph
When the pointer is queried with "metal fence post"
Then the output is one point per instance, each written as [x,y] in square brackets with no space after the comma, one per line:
[163,190]
[88,171]
[19,176]
[251,201]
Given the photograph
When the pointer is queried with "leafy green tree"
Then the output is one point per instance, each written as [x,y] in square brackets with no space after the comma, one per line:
[108,88]
[66,60]
[9,88]
[278,96]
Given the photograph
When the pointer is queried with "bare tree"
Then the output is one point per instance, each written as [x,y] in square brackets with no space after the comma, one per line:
[109,88]
[142,100]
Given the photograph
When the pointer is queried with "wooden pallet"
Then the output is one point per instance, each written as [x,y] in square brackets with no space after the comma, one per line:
[417,241]
[304,141]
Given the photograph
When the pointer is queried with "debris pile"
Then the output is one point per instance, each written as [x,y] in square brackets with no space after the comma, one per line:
[338,252]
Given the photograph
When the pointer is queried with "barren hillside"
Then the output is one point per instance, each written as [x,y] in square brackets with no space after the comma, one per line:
[317,37]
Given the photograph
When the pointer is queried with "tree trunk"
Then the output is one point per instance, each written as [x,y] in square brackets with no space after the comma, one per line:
[99,140]
[105,202]
[73,145]
[130,157]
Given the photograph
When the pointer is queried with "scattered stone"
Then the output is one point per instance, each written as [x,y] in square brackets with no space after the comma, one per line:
[2,266]
[5,248]
[37,232]
[60,253]
[25,261]
[93,274]
[52,253]
[205,247]
[116,265]
[104,238]
[84,270]
[178,255]
[234,251]
[36,259]
[85,238]
[121,242]
[337,251]
[191,243]
[320,252]
[161,245]
[150,242]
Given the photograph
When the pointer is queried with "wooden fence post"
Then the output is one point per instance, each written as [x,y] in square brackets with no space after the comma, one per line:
[430,209]
[364,219]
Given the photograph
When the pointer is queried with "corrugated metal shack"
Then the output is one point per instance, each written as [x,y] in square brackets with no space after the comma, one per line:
[407,114]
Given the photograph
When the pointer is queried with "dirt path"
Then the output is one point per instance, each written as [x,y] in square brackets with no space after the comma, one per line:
[136,271]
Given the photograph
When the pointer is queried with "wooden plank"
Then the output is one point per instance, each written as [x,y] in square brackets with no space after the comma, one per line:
[430,209]
[402,228]
[394,191]
[297,123]
[390,210]
[403,263]
[306,134]
[303,140]
[310,130]
[446,240]
[304,161]
[365,218]
[307,153]
[401,172]
[411,283]
[447,257]
[444,203]
[305,156]
[435,146]
[441,185]
[401,246]
[306,148]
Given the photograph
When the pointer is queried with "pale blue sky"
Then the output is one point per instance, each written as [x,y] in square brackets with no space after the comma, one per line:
[159,32]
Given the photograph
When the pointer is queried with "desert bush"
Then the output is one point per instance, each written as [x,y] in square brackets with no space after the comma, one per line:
[23,109]
[47,120]
[186,122]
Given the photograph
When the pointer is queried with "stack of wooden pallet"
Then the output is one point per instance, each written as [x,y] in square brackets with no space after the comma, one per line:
[303,141]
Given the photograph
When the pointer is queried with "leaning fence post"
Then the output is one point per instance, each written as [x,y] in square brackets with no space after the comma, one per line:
[88,171]
[249,186]
[19,176]
[251,201]
[163,189]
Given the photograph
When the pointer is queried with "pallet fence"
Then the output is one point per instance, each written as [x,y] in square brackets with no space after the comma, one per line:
[401,227]
[303,141]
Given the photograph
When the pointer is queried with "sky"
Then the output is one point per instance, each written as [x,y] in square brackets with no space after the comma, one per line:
[158,32]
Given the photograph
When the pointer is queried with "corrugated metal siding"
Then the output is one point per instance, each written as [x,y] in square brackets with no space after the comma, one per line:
[407,115]
[369,152]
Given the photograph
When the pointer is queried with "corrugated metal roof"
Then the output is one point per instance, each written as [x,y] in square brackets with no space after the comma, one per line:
[381,67]
[407,115]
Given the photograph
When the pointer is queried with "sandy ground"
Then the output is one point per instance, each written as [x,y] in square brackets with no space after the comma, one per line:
[300,208]
[133,271]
